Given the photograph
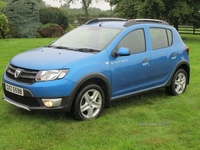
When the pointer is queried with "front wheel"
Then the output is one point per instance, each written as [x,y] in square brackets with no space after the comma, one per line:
[179,83]
[89,102]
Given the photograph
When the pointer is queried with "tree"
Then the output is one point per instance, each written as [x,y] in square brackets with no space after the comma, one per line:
[175,12]
[41,3]
[194,17]
[152,9]
[24,14]
[112,3]
[71,16]
[85,5]
[65,6]
[128,8]
[2,4]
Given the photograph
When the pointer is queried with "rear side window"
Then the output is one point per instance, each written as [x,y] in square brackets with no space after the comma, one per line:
[161,37]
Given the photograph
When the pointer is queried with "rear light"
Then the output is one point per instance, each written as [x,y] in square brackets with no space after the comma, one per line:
[187,49]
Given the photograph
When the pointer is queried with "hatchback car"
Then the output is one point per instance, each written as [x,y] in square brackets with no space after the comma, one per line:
[96,63]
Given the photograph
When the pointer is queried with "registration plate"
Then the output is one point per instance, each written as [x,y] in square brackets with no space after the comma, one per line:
[14,89]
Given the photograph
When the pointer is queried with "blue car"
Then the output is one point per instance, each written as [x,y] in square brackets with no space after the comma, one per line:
[96,63]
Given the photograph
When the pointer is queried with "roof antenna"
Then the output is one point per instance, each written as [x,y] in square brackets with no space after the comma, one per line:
[100,24]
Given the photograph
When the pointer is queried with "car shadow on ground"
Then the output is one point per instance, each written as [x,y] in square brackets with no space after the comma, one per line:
[146,98]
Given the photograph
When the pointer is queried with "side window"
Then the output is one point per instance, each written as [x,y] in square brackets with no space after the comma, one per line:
[134,41]
[160,37]
[169,34]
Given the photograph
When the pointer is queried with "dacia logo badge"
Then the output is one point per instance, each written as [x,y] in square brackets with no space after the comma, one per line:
[17,73]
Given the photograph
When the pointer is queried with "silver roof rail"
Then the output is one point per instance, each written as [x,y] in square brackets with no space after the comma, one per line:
[104,19]
[135,21]
[152,21]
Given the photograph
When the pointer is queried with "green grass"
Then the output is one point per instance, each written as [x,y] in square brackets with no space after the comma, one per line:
[152,120]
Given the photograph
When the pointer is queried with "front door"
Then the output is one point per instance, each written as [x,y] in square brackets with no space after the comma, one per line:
[131,73]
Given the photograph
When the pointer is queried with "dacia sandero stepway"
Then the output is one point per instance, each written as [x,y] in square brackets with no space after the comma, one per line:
[100,61]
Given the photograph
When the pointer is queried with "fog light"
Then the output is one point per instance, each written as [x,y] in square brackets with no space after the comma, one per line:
[48,103]
[52,102]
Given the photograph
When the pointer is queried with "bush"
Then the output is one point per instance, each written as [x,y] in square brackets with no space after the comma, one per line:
[51,30]
[69,28]
[4,27]
[54,15]
[24,15]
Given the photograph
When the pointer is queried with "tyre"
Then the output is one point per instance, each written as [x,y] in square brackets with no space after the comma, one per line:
[179,83]
[89,102]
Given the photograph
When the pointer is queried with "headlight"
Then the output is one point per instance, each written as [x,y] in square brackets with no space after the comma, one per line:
[51,74]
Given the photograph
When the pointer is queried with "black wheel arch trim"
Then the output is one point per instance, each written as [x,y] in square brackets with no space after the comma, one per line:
[181,63]
[89,77]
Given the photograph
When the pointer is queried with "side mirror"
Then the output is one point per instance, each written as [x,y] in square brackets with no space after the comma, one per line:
[122,51]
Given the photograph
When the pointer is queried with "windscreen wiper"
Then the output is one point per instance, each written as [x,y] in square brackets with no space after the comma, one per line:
[88,50]
[60,47]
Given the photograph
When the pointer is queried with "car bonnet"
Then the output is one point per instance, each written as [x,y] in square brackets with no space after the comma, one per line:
[47,58]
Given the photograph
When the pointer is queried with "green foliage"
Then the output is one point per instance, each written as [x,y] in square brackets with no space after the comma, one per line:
[4,27]
[128,8]
[113,2]
[179,12]
[152,9]
[175,12]
[85,5]
[13,30]
[41,3]
[54,15]
[51,30]
[2,4]
[69,28]
[24,14]
[194,18]
[70,16]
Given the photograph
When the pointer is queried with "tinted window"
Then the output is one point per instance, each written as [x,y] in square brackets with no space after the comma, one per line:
[134,41]
[160,37]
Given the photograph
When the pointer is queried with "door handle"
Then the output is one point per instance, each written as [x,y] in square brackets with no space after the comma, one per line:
[145,60]
[174,55]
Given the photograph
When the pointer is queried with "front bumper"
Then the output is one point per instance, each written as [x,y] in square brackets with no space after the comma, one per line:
[65,105]
[35,94]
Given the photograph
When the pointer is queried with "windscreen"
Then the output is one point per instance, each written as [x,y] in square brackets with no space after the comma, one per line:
[87,37]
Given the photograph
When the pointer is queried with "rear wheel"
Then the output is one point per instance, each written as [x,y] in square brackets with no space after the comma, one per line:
[89,103]
[179,83]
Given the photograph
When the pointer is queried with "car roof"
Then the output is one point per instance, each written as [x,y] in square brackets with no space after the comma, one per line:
[121,22]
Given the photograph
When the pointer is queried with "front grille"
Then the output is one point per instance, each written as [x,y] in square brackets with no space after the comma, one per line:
[24,75]
[29,101]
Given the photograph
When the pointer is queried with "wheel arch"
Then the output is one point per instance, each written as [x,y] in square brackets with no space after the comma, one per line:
[182,65]
[98,79]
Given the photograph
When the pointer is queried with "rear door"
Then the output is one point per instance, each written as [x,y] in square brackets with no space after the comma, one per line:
[163,55]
